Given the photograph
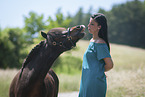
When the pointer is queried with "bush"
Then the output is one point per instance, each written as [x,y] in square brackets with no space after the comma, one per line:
[12,48]
[67,64]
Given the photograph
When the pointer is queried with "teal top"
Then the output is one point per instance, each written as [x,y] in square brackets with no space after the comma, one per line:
[93,80]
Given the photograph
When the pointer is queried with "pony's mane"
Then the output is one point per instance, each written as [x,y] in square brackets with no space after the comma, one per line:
[33,52]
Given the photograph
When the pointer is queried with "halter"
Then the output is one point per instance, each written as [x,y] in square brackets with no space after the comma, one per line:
[61,44]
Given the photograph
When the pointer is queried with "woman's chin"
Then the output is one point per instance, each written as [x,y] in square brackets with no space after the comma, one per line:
[90,32]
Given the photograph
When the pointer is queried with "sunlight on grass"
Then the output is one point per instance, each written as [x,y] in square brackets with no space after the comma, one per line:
[6,77]
[127,83]
[126,57]
[69,82]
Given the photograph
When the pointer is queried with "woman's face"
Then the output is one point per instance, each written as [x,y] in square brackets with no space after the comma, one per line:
[93,26]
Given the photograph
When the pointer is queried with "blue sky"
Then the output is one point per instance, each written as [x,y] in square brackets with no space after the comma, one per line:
[12,11]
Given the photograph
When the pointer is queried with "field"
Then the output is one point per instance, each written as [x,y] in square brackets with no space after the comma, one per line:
[126,79]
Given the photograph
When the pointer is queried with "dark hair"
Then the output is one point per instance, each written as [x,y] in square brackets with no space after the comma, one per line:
[103,32]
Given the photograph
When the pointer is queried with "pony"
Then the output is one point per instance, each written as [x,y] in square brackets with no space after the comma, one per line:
[36,78]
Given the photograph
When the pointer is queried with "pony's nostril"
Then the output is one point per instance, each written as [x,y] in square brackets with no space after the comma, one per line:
[78,26]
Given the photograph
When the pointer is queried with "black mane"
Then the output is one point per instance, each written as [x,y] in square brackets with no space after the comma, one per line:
[32,53]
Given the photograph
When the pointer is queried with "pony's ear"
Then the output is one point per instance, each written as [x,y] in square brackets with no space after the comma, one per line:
[44,34]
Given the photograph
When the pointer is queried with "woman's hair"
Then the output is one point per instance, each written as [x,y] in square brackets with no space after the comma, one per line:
[103,32]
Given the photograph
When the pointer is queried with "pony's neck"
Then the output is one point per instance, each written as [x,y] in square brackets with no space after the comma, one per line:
[47,59]
[38,67]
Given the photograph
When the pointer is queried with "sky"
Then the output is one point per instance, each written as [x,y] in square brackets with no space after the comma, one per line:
[12,12]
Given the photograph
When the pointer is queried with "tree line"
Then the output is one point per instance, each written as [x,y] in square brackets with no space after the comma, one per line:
[125,26]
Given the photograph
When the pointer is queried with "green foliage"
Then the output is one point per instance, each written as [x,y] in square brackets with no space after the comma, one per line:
[82,18]
[67,65]
[78,18]
[60,21]
[12,44]
[34,23]
[15,42]
[126,23]
[126,79]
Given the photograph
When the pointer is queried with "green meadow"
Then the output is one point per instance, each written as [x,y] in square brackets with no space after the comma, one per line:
[126,79]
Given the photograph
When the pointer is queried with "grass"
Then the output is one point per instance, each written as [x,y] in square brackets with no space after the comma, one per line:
[67,65]
[126,79]
[126,83]
[6,77]
[69,83]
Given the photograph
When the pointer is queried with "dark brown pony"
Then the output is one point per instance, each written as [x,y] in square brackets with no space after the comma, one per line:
[35,78]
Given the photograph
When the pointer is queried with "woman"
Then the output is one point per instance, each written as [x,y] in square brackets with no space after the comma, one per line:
[96,60]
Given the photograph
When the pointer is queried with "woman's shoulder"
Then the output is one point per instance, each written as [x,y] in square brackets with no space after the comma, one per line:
[98,41]
[101,41]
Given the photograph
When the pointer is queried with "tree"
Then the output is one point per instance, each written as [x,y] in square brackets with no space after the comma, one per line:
[12,48]
[85,21]
[60,21]
[34,23]
[127,23]
[78,18]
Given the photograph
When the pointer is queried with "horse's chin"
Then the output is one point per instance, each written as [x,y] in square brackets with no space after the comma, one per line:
[81,35]
[78,37]
[74,41]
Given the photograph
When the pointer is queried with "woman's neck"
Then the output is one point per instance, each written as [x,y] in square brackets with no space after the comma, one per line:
[95,37]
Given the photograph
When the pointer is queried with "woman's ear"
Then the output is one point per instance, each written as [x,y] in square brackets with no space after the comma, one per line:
[99,27]
[44,34]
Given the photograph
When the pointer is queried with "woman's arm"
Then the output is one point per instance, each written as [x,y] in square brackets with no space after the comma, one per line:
[108,64]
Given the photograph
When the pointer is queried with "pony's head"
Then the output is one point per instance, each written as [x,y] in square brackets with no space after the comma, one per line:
[63,39]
